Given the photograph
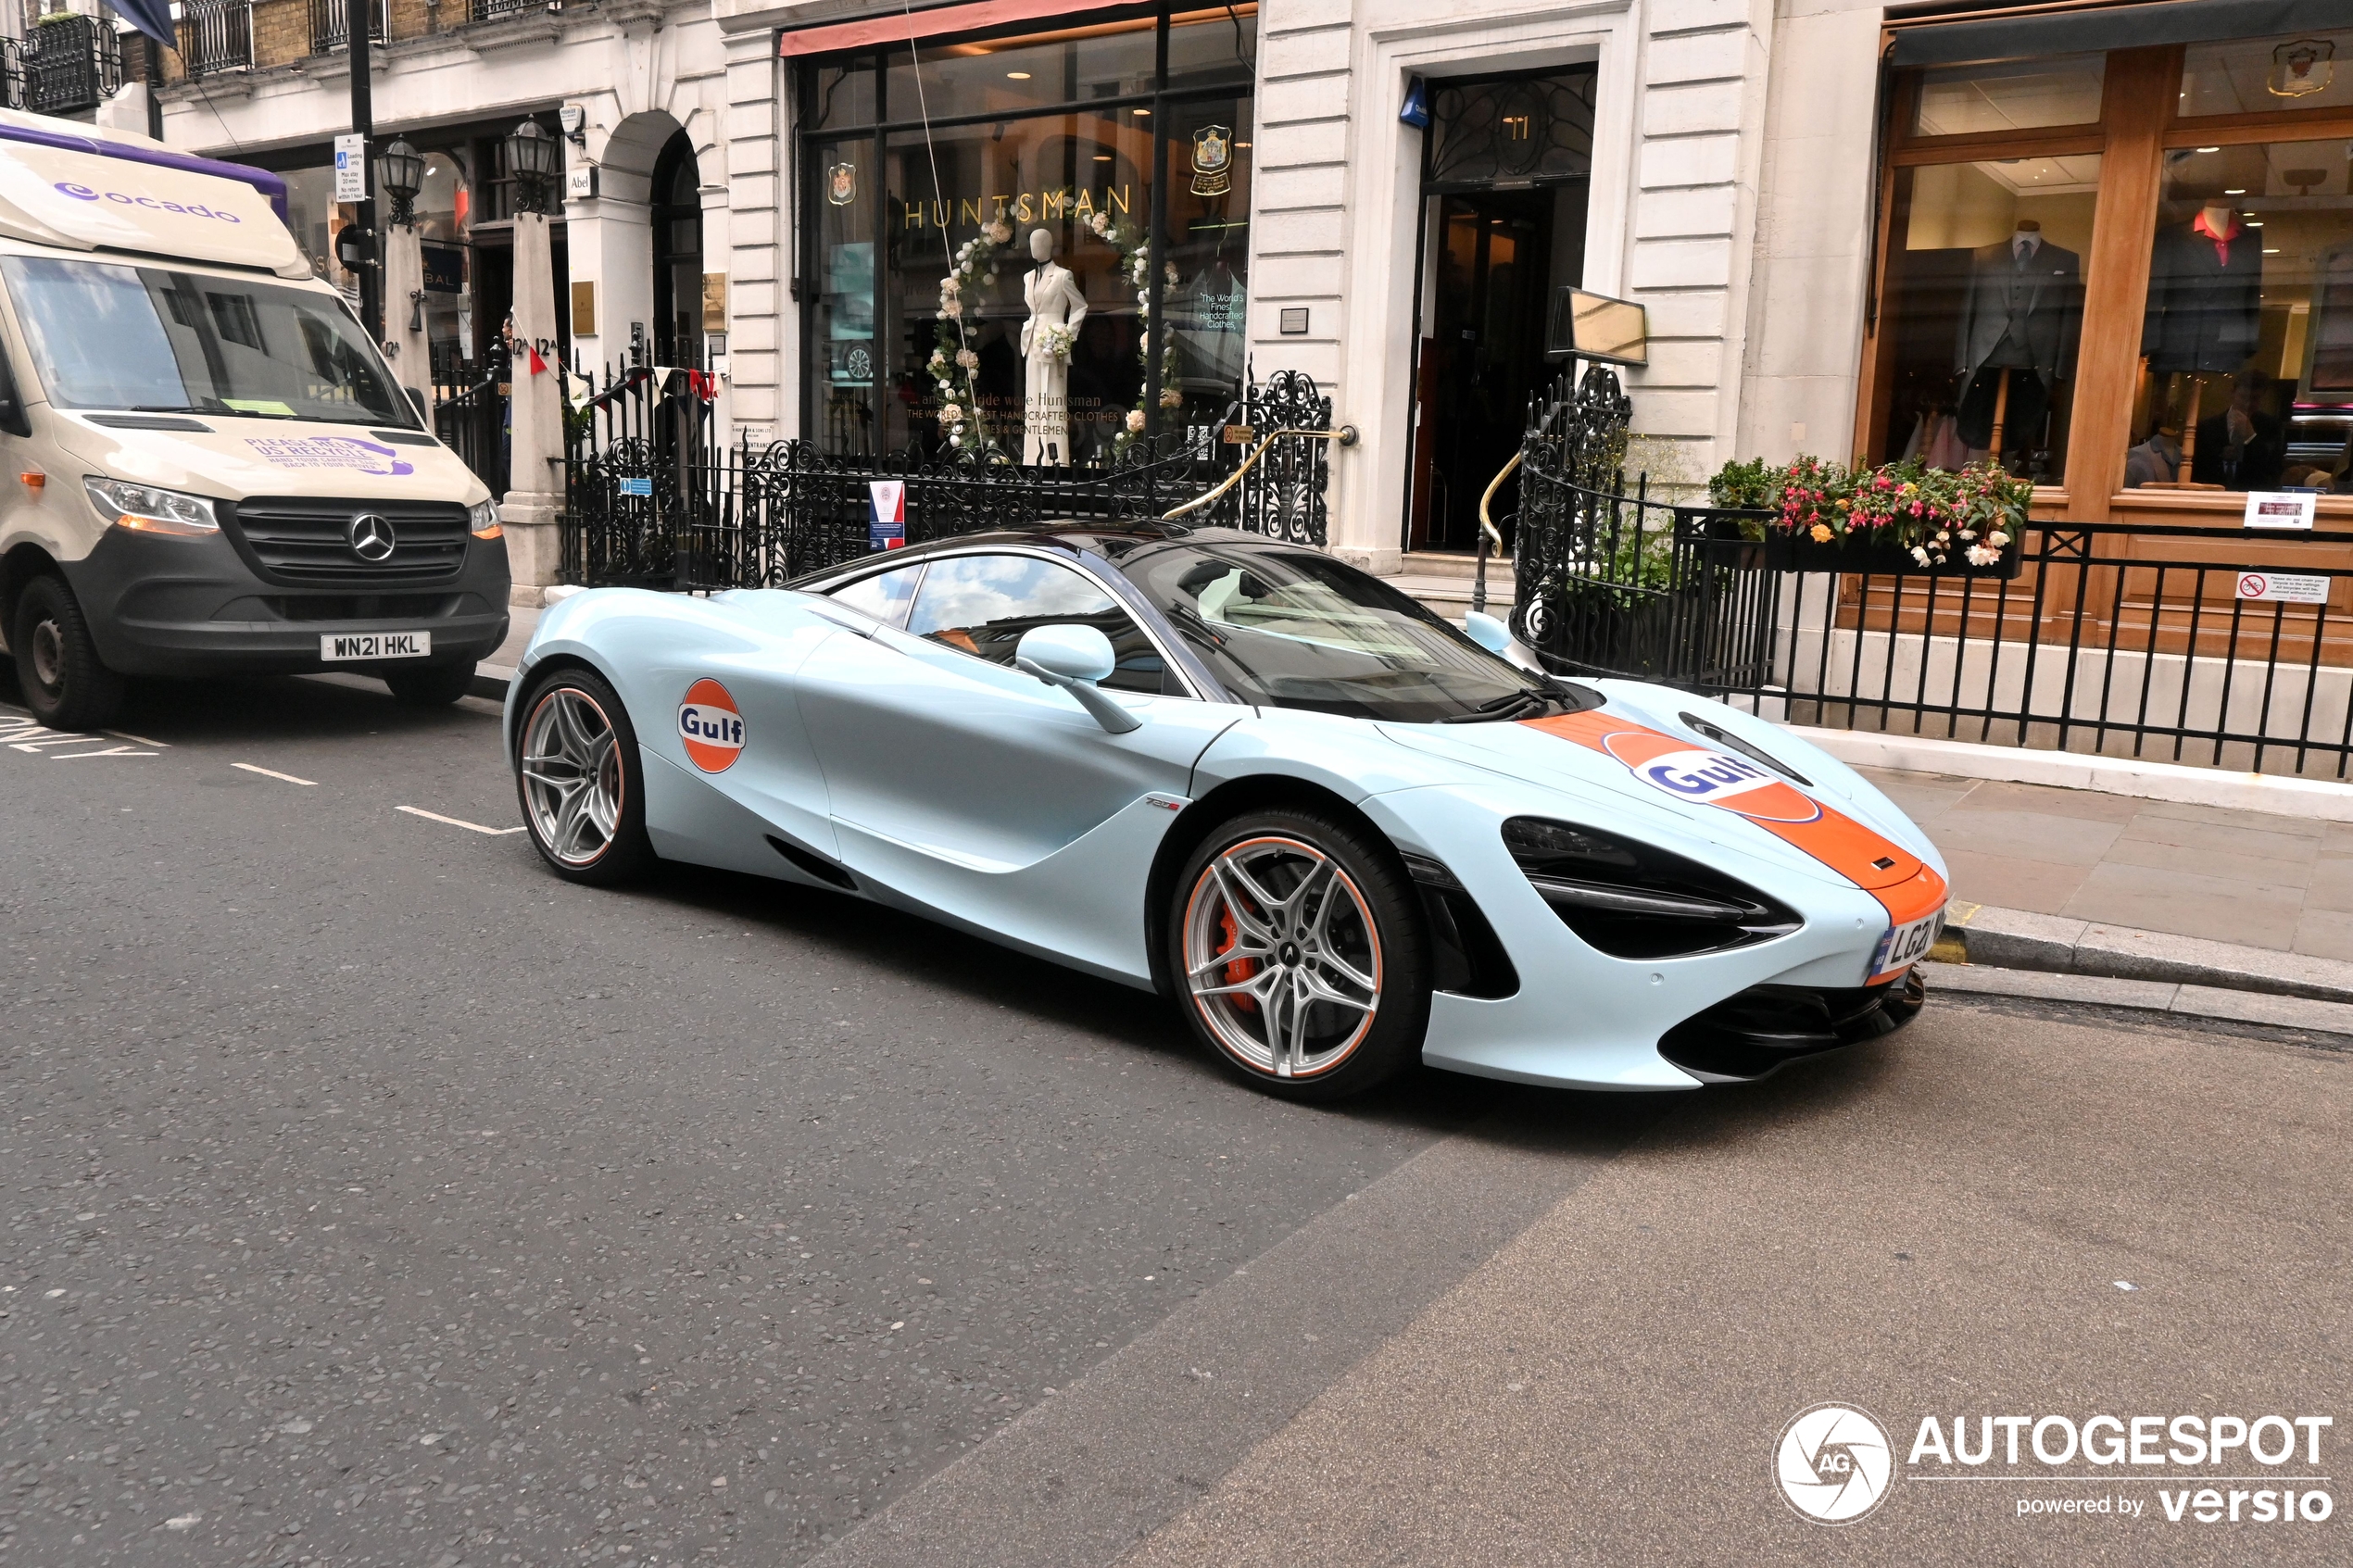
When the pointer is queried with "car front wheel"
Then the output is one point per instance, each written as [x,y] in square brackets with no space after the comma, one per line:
[576,775]
[1298,954]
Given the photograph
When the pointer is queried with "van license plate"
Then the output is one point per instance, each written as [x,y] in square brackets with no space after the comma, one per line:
[333,646]
[1904,946]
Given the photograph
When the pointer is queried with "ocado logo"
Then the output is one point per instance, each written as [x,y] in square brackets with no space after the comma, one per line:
[123,198]
[1835,1465]
[711,727]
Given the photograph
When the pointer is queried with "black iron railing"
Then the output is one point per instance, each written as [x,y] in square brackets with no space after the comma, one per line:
[469,415]
[215,35]
[71,64]
[2183,643]
[330,25]
[649,501]
[497,10]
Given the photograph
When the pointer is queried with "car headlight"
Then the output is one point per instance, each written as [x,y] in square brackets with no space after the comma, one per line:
[482,521]
[1633,902]
[149,511]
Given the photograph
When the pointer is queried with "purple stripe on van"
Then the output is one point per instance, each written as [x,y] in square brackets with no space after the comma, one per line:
[269,184]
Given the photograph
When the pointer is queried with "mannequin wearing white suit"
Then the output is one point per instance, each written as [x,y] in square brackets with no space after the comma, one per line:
[1054,300]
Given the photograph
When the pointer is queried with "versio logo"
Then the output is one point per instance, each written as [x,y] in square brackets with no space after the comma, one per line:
[1835,1465]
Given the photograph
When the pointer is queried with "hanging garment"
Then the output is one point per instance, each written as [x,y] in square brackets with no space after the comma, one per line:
[2024,308]
[1946,450]
[2205,297]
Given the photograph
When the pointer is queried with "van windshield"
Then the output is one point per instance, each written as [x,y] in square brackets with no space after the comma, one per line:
[146,338]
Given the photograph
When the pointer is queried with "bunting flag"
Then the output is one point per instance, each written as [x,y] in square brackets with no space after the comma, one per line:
[538,366]
[578,390]
[661,379]
[704,387]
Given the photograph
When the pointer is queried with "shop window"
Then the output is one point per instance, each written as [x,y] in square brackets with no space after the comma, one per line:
[1010,75]
[2265,75]
[1205,259]
[1983,311]
[839,95]
[2009,95]
[1213,49]
[2248,333]
[843,342]
[1523,128]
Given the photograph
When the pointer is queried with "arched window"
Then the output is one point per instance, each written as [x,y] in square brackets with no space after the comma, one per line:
[676,215]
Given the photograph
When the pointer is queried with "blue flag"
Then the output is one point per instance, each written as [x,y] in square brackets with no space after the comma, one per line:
[150,17]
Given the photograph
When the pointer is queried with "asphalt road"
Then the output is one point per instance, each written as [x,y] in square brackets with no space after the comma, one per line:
[373,1198]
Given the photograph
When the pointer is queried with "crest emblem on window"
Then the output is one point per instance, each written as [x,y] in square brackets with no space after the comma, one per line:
[841,183]
[1213,160]
[2304,66]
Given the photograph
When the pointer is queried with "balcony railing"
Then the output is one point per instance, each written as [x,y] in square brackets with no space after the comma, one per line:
[71,64]
[499,10]
[215,35]
[330,25]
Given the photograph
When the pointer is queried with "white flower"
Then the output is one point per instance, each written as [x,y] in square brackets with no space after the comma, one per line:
[1980,556]
[1920,554]
[1171,270]
[950,413]
[968,359]
[953,310]
[1135,421]
[1000,231]
[946,386]
[1997,539]
[951,287]
[1171,398]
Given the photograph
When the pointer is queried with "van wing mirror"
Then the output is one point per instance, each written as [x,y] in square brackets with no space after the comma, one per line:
[13,416]
[424,409]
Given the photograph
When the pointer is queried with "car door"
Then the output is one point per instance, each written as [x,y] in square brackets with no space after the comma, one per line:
[980,793]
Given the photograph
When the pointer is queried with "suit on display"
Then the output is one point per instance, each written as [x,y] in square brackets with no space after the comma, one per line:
[2206,295]
[2022,313]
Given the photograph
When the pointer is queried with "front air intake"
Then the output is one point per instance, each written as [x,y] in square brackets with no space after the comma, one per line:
[1633,902]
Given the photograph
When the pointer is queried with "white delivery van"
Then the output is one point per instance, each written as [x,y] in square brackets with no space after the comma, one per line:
[206,465]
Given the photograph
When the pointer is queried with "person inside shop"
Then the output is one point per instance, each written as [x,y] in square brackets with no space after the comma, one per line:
[2242,447]
[2154,461]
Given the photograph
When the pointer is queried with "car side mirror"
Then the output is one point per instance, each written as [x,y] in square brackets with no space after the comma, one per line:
[1074,658]
[1487,632]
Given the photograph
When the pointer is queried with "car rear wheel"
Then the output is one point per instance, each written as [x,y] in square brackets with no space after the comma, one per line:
[577,777]
[1298,954]
[65,682]
[432,685]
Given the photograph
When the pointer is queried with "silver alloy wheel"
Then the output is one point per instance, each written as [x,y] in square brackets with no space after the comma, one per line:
[571,776]
[1282,956]
[48,656]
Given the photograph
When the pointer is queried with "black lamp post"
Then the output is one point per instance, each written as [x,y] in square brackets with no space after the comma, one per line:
[400,170]
[533,159]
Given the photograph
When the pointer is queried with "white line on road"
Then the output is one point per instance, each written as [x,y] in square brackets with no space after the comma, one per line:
[454,822]
[109,751]
[273,774]
[140,740]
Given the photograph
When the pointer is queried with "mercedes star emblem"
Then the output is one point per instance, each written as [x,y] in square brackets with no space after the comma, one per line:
[372,537]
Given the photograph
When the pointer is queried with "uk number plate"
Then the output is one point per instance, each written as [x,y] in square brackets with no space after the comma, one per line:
[333,646]
[1905,946]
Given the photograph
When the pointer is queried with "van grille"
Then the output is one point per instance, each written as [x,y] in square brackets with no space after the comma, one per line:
[308,539]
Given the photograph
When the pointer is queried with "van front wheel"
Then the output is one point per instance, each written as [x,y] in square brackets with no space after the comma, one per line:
[65,682]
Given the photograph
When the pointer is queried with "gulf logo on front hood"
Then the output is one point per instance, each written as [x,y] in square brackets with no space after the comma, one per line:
[709,727]
[1717,778]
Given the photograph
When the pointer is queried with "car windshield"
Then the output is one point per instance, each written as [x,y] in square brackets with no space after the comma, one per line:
[1292,628]
[146,338]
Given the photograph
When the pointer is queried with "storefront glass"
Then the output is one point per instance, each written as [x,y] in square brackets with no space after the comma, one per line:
[1986,308]
[2009,95]
[985,257]
[2250,320]
[2260,76]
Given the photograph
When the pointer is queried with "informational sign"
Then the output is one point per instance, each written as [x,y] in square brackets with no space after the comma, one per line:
[2295,588]
[886,517]
[351,168]
[2281,508]
[641,486]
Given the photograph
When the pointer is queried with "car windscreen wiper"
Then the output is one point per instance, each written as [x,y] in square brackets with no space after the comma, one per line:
[1522,704]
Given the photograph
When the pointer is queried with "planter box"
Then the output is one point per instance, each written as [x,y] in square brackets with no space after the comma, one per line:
[1788,552]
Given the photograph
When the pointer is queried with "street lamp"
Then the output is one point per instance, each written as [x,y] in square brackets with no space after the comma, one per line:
[400,170]
[533,158]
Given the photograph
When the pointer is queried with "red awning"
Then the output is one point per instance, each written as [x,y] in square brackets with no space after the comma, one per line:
[937,21]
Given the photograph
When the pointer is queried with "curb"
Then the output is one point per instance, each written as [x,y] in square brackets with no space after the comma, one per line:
[2279,794]
[2017,940]
[2150,996]
[491,682]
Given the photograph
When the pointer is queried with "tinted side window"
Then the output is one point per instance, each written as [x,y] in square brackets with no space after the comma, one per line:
[981,605]
[884,595]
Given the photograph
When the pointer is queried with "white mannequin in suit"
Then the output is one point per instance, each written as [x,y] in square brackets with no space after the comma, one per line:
[1054,300]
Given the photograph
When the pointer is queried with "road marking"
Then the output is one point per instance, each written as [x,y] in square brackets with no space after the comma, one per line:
[273,774]
[109,751]
[140,740]
[454,822]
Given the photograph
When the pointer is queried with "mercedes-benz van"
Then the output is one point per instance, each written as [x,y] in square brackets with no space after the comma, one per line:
[206,465]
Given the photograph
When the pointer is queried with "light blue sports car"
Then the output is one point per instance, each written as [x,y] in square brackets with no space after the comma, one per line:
[1338,833]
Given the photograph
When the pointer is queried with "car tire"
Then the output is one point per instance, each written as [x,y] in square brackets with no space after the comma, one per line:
[580,782]
[1326,991]
[65,682]
[433,685]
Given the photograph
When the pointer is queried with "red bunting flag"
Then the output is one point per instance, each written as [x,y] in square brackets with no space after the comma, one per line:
[538,366]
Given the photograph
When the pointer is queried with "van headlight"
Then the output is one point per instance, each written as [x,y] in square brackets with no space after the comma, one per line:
[482,521]
[149,510]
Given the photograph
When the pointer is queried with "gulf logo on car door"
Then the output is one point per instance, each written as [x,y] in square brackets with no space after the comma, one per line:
[709,727]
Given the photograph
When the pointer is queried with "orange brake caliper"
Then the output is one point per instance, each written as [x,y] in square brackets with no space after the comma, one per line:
[1240,969]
